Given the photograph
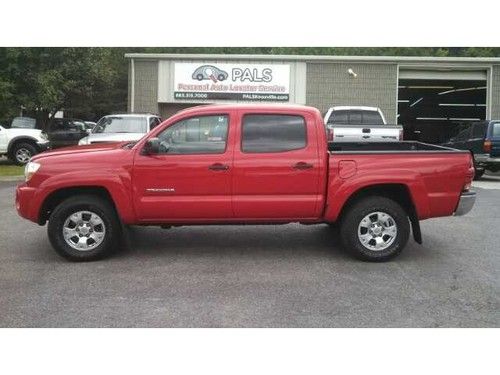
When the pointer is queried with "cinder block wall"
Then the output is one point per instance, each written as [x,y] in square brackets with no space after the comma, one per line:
[495,93]
[330,84]
[146,86]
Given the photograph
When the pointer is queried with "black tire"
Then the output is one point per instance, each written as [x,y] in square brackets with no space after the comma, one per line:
[199,77]
[478,173]
[21,153]
[93,204]
[357,212]
[221,77]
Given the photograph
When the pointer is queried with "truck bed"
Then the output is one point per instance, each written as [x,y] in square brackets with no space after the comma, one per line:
[388,147]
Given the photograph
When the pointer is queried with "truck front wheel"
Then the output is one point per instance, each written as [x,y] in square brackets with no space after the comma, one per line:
[21,153]
[84,228]
[375,229]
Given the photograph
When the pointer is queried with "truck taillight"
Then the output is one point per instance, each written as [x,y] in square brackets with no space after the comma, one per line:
[487,146]
[330,134]
[469,175]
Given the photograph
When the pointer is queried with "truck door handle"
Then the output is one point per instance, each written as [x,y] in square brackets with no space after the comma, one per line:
[218,167]
[302,165]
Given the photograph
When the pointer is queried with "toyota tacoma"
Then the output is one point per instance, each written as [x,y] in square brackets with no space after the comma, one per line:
[244,164]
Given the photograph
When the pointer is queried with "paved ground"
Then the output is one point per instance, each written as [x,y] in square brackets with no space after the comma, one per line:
[278,276]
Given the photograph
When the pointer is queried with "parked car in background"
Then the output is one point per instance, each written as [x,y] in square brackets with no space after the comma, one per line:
[482,138]
[66,131]
[23,123]
[121,127]
[22,141]
[89,125]
[360,124]
[244,164]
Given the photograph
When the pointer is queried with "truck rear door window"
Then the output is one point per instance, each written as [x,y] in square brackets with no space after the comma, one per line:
[273,133]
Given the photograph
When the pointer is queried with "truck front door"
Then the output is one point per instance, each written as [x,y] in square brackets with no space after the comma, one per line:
[190,179]
[276,167]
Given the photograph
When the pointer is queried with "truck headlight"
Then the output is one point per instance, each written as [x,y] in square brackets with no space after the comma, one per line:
[83,141]
[44,136]
[30,169]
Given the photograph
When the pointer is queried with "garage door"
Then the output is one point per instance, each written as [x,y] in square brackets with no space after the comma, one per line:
[434,104]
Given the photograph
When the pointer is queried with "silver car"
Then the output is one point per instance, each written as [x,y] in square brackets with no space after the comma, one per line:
[205,72]
[121,127]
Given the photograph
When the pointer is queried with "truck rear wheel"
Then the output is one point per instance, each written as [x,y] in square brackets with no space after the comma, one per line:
[84,228]
[375,229]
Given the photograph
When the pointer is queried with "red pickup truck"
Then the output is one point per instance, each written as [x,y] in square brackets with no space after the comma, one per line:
[244,164]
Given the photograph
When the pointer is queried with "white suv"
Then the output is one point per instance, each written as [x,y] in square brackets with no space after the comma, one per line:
[121,127]
[21,141]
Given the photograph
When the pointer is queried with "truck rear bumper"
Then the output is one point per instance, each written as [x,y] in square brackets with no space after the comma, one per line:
[465,203]
[486,161]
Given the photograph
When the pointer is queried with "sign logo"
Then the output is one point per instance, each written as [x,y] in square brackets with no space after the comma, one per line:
[224,81]
[206,72]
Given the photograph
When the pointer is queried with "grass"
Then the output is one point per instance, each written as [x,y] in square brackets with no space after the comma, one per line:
[7,168]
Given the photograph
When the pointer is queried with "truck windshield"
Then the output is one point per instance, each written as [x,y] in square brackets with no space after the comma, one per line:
[117,124]
[23,122]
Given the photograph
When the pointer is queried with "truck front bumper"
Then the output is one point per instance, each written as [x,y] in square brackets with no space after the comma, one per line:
[24,200]
[465,203]
[43,146]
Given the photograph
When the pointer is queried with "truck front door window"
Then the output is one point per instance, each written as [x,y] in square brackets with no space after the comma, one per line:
[197,135]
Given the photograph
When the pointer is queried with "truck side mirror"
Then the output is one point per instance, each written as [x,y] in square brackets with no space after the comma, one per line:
[152,146]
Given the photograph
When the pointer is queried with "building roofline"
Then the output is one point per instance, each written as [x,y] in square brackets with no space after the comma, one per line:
[313,58]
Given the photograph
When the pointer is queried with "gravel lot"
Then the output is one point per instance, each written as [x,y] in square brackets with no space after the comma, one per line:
[255,276]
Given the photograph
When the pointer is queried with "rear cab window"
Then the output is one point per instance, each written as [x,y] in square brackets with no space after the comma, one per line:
[495,129]
[372,118]
[479,129]
[339,117]
[266,133]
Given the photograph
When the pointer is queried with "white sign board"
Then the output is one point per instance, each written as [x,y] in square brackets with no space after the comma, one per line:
[248,82]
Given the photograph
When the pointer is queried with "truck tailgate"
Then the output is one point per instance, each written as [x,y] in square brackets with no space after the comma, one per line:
[366,133]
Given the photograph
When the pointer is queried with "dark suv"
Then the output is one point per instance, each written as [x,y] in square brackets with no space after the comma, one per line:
[482,138]
[66,131]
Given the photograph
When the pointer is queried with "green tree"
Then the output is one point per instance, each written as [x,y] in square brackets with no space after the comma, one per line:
[46,80]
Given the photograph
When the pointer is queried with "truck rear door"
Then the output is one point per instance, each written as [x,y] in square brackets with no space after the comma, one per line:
[276,173]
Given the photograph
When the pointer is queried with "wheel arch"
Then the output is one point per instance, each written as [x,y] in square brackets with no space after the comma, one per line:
[21,139]
[398,192]
[59,195]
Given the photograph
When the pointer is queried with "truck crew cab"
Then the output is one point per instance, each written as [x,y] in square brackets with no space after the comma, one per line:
[244,164]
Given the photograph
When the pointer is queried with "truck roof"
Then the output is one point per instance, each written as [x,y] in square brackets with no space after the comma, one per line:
[265,106]
[354,107]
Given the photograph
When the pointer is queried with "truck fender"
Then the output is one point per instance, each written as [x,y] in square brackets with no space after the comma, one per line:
[117,184]
[343,189]
[26,138]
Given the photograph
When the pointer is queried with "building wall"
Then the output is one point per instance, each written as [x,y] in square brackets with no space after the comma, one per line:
[495,92]
[168,109]
[146,86]
[166,79]
[376,85]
